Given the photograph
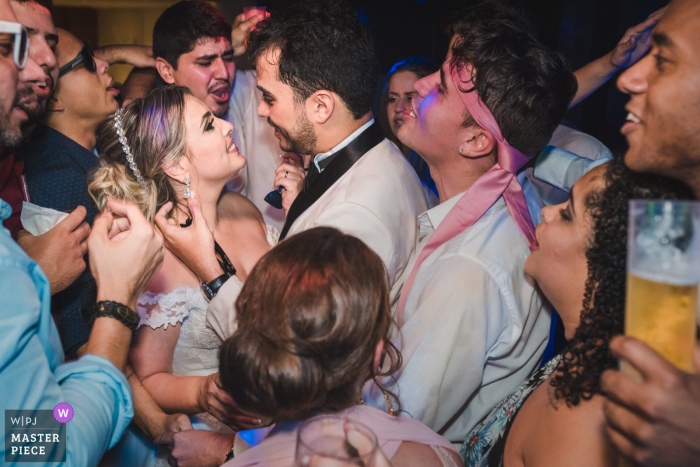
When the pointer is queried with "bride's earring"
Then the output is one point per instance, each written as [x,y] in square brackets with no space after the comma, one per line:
[187,193]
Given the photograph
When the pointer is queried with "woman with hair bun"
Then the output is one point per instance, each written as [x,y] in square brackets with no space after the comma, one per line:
[314,323]
[167,152]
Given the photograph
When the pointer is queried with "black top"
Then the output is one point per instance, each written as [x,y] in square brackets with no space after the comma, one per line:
[56,168]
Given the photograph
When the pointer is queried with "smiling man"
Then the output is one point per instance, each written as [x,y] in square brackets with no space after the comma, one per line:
[654,422]
[473,324]
[316,69]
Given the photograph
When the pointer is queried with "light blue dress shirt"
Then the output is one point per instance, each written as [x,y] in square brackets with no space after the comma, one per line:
[32,373]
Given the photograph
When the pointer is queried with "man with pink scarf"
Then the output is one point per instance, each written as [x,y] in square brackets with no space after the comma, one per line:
[473,325]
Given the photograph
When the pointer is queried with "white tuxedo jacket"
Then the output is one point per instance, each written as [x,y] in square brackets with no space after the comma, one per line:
[377,200]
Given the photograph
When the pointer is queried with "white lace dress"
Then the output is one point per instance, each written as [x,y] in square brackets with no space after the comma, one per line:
[196,354]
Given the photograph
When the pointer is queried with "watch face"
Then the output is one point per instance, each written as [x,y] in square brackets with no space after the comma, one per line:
[206,291]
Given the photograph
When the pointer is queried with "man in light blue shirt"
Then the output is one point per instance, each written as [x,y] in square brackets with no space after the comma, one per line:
[123,258]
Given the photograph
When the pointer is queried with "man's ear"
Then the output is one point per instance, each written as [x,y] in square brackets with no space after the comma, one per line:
[54,104]
[179,170]
[320,106]
[165,70]
[477,142]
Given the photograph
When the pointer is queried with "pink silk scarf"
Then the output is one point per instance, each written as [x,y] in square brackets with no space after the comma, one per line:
[499,180]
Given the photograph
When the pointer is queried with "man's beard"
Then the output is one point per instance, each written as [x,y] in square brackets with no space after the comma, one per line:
[9,136]
[304,139]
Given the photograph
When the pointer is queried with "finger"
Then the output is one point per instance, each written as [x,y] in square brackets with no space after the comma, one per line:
[248,24]
[165,439]
[643,358]
[246,420]
[195,207]
[130,211]
[625,422]
[119,225]
[83,247]
[357,439]
[293,158]
[101,227]
[620,443]
[623,390]
[74,219]
[288,184]
[161,218]
[82,232]
[184,423]
[697,358]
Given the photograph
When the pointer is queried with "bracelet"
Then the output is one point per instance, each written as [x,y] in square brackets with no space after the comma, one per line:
[115,310]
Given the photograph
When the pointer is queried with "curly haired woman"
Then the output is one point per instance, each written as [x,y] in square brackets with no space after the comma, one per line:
[581,268]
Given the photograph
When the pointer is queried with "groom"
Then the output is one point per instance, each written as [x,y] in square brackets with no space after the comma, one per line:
[316,69]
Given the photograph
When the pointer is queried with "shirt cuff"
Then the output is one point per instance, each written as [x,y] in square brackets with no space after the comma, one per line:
[92,368]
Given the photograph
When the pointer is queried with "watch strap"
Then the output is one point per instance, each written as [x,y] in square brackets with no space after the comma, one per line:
[110,309]
[210,289]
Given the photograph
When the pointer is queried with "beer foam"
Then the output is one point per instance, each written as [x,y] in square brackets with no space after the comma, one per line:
[655,276]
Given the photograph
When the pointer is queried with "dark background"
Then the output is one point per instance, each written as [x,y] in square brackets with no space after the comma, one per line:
[582,30]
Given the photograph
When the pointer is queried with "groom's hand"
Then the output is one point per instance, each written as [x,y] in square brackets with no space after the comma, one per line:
[194,245]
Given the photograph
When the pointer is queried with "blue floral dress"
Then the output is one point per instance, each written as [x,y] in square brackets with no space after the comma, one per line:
[485,444]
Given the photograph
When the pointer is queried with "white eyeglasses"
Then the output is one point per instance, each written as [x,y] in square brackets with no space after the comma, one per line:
[21,41]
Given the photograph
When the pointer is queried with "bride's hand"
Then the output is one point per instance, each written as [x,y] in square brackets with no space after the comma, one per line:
[216,401]
[194,245]
[290,175]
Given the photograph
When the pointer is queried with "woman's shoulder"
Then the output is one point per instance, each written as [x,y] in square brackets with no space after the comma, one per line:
[233,205]
[578,431]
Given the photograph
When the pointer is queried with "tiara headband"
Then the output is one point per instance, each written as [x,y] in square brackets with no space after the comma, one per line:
[126,148]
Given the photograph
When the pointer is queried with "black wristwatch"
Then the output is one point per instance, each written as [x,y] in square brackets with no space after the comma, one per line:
[210,289]
[118,311]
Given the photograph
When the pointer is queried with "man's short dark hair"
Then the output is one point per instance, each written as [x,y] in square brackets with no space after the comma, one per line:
[183,25]
[323,45]
[48,4]
[526,86]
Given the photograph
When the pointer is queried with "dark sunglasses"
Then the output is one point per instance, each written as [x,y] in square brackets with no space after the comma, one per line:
[85,56]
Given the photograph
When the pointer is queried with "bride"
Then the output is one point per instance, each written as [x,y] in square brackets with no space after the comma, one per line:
[157,152]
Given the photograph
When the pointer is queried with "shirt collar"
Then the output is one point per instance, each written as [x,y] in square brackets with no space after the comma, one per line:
[320,158]
[432,218]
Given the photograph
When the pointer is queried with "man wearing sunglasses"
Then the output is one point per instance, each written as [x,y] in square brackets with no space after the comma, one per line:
[35,16]
[58,155]
[14,44]
[32,376]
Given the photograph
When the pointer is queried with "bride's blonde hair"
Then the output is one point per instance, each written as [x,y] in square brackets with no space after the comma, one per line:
[154,127]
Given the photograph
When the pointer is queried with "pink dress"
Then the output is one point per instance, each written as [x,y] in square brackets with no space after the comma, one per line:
[278,448]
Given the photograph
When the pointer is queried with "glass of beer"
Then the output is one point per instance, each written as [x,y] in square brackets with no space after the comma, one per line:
[663,272]
[335,441]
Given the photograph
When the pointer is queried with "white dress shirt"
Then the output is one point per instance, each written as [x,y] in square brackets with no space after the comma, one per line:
[475,325]
[255,139]
[325,155]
